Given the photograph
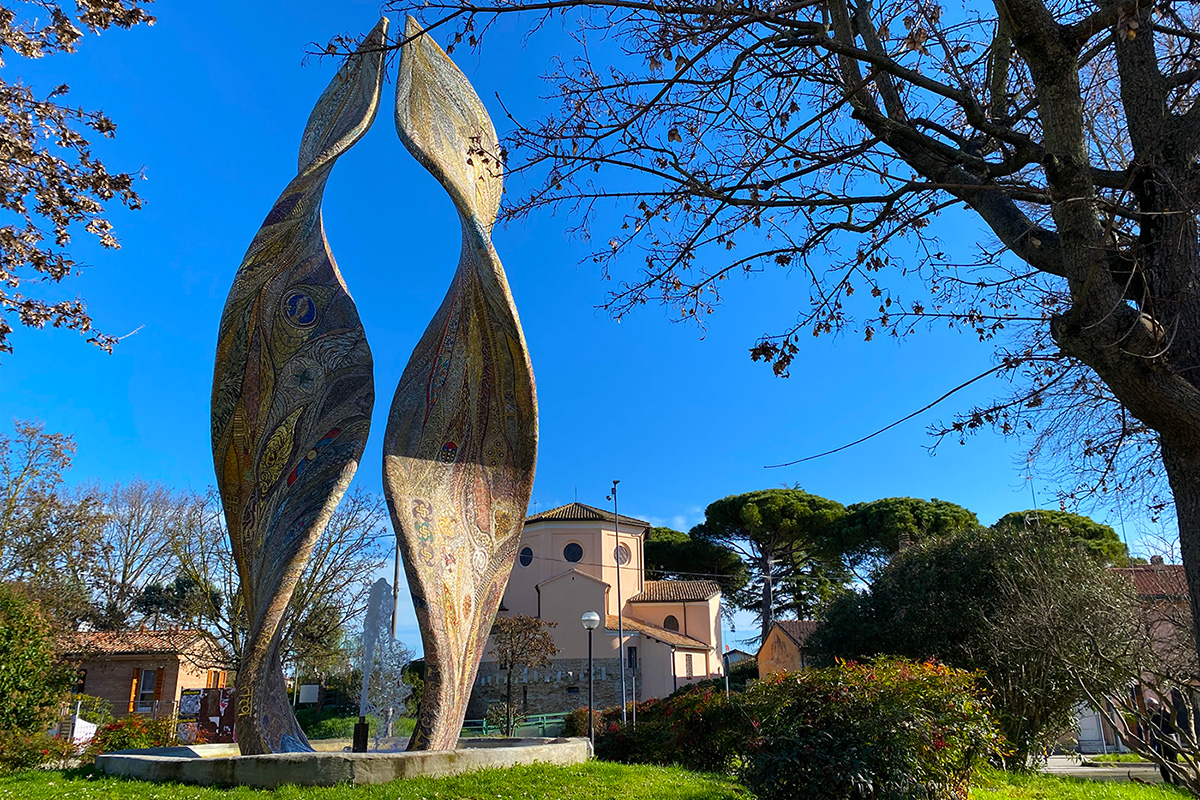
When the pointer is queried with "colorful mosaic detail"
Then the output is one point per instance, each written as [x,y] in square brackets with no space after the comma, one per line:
[461,439]
[292,397]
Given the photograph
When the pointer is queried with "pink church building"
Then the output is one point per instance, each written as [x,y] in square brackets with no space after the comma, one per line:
[577,558]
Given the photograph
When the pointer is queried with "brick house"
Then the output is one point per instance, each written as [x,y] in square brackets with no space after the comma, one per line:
[145,671]
[1162,596]
[783,649]
[578,558]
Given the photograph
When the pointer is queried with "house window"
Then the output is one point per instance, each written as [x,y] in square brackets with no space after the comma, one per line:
[622,554]
[526,557]
[147,690]
[671,623]
[80,680]
[631,657]
[217,678]
[573,552]
[687,664]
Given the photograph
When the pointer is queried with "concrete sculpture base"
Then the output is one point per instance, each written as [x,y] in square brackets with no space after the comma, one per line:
[334,769]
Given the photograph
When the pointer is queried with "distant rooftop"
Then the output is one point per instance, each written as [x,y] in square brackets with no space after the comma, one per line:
[798,630]
[676,591]
[1157,580]
[195,645]
[673,638]
[578,512]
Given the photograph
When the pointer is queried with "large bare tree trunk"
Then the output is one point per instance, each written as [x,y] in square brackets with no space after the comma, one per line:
[1182,462]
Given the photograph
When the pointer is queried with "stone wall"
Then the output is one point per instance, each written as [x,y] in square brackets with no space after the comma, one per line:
[563,686]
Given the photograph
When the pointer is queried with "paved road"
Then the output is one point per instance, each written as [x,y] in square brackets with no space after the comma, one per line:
[1062,765]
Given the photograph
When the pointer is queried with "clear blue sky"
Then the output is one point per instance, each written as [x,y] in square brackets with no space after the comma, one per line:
[212,100]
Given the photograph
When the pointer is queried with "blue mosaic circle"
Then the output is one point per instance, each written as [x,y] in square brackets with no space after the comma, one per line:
[300,309]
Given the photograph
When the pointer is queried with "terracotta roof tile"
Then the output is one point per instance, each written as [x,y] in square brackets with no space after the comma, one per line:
[1157,580]
[798,630]
[663,635]
[676,591]
[580,512]
[195,644]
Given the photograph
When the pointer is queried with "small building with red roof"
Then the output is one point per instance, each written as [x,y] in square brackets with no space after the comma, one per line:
[145,671]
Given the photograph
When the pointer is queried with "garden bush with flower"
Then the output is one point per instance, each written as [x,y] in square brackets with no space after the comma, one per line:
[21,750]
[888,730]
[134,732]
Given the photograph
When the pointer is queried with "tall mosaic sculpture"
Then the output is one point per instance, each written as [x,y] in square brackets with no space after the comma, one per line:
[292,397]
[461,439]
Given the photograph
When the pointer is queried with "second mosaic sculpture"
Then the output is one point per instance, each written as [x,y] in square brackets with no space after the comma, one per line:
[461,439]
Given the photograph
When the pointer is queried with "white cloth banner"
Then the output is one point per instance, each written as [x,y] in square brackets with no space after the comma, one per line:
[83,731]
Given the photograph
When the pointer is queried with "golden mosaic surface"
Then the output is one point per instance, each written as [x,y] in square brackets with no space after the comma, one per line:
[461,441]
[292,397]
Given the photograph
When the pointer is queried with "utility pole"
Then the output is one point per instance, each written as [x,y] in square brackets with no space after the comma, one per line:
[768,599]
[396,592]
[620,615]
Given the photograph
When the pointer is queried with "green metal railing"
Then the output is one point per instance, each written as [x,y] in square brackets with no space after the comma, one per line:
[537,725]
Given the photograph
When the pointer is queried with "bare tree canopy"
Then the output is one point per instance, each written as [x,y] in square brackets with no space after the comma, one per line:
[825,136]
[49,535]
[520,642]
[140,522]
[331,592]
[50,181]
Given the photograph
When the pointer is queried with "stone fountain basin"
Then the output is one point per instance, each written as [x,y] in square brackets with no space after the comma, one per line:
[206,765]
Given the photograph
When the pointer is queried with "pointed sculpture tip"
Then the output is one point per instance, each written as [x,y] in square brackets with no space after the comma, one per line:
[444,124]
[347,107]
[379,32]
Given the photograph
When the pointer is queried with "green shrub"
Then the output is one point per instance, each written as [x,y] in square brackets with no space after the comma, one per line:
[22,751]
[497,717]
[131,733]
[886,730]
[575,722]
[330,723]
[1027,609]
[93,709]
[699,729]
[32,681]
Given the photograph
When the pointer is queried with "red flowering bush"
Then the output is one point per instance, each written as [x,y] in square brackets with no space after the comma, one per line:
[131,733]
[697,728]
[22,751]
[886,730]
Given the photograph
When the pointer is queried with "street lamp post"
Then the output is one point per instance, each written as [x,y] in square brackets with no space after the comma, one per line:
[590,621]
[620,614]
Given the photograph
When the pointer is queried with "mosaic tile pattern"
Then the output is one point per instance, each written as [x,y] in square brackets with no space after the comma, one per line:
[292,397]
[461,439]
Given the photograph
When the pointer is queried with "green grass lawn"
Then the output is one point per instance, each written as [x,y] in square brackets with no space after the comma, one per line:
[995,785]
[592,781]
[596,780]
[331,724]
